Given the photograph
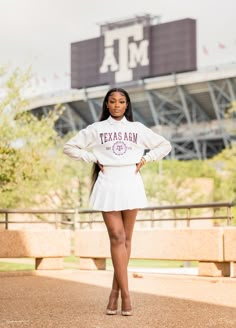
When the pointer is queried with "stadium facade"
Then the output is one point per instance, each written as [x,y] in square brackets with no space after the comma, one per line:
[157,64]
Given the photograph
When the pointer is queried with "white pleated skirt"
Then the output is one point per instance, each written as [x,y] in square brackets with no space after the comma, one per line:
[118,188]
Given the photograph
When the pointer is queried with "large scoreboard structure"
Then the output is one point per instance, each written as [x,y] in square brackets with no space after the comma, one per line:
[132,50]
[157,64]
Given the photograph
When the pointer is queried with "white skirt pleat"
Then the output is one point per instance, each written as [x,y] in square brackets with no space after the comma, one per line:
[118,188]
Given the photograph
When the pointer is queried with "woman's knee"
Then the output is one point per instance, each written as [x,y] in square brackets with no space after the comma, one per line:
[117,238]
[127,243]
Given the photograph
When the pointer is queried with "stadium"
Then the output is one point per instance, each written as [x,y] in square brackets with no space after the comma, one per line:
[157,64]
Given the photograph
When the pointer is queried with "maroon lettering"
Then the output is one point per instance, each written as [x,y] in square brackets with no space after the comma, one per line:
[110,136]
[101,136]
[135,137]
[114,136]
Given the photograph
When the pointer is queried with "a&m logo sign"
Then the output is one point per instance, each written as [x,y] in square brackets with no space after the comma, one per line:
[131,54]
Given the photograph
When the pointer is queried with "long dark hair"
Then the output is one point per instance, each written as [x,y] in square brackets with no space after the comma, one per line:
[105,114]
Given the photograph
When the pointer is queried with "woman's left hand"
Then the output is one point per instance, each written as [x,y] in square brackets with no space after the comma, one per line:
[140,164]
[100,166]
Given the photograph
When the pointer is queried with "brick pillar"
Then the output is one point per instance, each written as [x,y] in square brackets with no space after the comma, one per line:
[214,269]
[86,263]
[49,263]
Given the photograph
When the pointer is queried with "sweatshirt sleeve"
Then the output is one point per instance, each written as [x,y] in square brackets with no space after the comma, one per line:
[158,146]
[79,147]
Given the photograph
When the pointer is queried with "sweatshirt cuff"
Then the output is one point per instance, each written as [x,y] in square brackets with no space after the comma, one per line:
[92,158]
[147,158]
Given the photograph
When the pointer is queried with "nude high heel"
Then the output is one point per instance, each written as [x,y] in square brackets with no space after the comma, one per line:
[126,309]
[113,302]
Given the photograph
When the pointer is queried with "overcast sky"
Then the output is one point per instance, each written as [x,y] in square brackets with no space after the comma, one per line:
[38,33]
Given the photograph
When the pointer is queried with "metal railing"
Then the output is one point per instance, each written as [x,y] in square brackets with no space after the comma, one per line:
[73,217]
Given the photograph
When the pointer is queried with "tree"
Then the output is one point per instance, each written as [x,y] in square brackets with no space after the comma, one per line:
[225,164]
[172,181]
[33,170]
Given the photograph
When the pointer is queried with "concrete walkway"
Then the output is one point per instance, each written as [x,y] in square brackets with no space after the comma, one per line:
[74,298]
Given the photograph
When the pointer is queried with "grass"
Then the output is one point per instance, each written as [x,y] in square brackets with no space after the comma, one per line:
[154,264]
[10,266]
[140,263]
[19,265]
[71,259]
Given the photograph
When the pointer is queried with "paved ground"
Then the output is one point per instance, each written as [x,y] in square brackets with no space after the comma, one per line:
[73,298]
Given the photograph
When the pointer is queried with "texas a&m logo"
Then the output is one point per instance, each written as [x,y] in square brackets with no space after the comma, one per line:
[119,148]
[131,54]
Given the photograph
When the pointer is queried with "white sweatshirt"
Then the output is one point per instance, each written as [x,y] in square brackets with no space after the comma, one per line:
[114,143]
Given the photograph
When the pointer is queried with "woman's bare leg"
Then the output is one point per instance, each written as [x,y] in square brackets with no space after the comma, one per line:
[128,217]
[120,226]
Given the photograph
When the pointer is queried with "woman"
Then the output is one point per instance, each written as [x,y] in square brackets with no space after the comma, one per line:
[116,145]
